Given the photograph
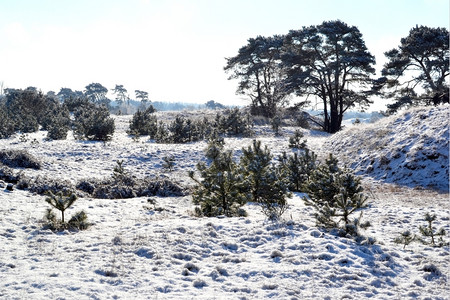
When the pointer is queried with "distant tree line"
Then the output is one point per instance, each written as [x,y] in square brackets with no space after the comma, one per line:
[331,63]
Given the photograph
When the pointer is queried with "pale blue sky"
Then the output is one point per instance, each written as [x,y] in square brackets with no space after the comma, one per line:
[175,49]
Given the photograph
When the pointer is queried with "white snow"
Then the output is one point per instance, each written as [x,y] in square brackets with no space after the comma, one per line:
[134,251]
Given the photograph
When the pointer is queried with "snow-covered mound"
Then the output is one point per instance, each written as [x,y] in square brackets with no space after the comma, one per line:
[410,149]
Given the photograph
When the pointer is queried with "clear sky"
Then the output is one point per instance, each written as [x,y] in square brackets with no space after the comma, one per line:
[175,49]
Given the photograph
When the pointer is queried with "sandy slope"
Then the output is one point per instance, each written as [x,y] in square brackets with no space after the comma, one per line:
[134,251]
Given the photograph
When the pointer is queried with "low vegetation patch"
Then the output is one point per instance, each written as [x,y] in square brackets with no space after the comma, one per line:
[19,159]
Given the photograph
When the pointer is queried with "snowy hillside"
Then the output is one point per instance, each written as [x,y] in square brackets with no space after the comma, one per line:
[139,250]
[410,149]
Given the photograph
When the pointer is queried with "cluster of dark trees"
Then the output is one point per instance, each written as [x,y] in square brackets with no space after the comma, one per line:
[331,63]
[228,122]
[29,110]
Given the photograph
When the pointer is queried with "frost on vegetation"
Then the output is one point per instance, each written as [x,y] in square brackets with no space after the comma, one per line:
[430,235]
[336,195]
[44,184]
[62,202]
[122,185]
[410,148]
[19,159]
[130,187]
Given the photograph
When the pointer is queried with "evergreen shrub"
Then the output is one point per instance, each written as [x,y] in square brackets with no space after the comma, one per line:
[336,194]
[19,159]
[221,187]
[93,123]
[144,122]
[266,184]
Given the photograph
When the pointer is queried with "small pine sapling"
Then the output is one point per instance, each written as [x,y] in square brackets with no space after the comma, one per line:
[168,162]
[79,221]
[295,141]
[119,172]
[267,185]
[405,238]
[221,189]
[336,194]
[61,202]
[298,167]
[430,232]
[276,124]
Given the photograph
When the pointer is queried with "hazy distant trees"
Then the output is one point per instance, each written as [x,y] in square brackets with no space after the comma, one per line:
[65,94]
[142,96]
[211,104]
[121,94]
[416,71]
[96,93]
[261,78]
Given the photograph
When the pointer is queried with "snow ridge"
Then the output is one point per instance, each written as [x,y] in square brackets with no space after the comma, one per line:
[410,149]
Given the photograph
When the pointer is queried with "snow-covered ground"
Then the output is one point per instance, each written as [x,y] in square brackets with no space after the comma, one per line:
[136,250]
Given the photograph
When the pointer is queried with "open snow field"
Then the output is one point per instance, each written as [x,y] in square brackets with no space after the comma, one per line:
[136,250]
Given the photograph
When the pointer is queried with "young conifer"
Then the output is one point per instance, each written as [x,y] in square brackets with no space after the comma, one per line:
[295,141]
[336,194]
[430,232]
[61,202]
[220,191]
[298,167]
[266,184]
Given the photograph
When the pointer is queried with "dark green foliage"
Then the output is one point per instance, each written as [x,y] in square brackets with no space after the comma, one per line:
[258,68]
[79,221]
[276,124]
[336,194]
[162,133]
[420,61]
[73,103]
[93,123]
[220,191]
[119,172]
[7,127]
[266,184]
[232,122]
[296,142]
[168,162]
[405,238]
[181,130]
[42,185]
[7,174]
[129,187]
[184,130]
[96,93]
[57,123]
[428,232]
[26,108]
[61,201]
[144,123]
[19,159]
[329,61]
[298,167]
